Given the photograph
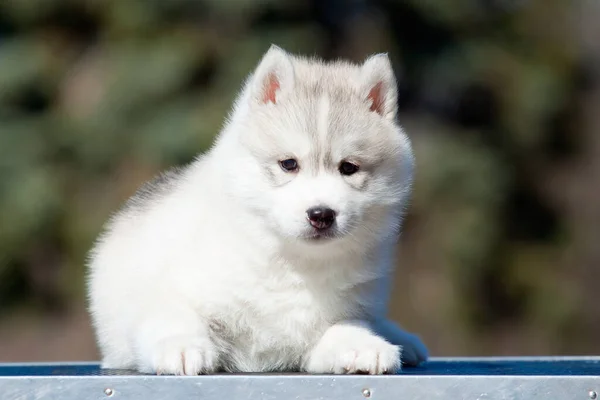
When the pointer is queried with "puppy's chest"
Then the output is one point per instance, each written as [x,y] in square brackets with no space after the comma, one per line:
[277,321]
[290,312]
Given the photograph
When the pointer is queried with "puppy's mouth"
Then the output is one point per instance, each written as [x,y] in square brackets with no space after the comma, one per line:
[320,235]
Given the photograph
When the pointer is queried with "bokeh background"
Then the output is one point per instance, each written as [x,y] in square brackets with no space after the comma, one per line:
[500,254]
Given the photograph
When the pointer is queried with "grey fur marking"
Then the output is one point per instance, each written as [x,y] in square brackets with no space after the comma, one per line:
[152,190]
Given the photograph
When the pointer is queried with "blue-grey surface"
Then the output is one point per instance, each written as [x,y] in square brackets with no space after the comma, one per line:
[582,366]
[439,379]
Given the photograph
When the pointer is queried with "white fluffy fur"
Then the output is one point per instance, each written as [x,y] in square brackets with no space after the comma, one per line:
[212,267]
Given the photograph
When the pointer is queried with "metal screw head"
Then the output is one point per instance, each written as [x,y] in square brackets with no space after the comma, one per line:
[593,395]
[366,392]
[109,392]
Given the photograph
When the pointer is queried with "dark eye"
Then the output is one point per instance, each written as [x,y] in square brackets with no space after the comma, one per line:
[289,165]
[347,168]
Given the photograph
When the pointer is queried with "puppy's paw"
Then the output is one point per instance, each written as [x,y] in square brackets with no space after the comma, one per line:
[184,355]
[414,351]
[352,350]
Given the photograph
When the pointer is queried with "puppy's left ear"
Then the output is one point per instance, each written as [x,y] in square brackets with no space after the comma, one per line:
[378,85]
[273,78]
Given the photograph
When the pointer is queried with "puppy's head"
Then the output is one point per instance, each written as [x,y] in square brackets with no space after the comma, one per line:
[322,157]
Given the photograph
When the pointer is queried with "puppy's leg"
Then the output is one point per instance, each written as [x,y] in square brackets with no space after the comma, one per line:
[174,340]
[351,347]
[414,351]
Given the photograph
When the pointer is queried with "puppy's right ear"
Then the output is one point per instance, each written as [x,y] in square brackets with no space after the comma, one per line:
[379,85]
[273,79]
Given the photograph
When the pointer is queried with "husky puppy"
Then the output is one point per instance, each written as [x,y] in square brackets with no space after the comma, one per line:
[274,250]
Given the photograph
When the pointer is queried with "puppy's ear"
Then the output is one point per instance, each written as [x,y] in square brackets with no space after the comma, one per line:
[273,79]
[378,85]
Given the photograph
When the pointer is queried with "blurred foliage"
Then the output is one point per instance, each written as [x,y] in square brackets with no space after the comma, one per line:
[97,96]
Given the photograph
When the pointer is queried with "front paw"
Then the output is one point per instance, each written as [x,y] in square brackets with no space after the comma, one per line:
[184,355]
[414,352]
[353,350]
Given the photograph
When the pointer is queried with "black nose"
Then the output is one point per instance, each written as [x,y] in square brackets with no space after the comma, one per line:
[321,217]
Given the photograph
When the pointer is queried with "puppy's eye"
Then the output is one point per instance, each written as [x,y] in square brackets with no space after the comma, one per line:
[289,165]
[348,168]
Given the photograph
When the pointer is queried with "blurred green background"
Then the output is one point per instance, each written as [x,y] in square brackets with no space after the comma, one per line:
[501,248]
